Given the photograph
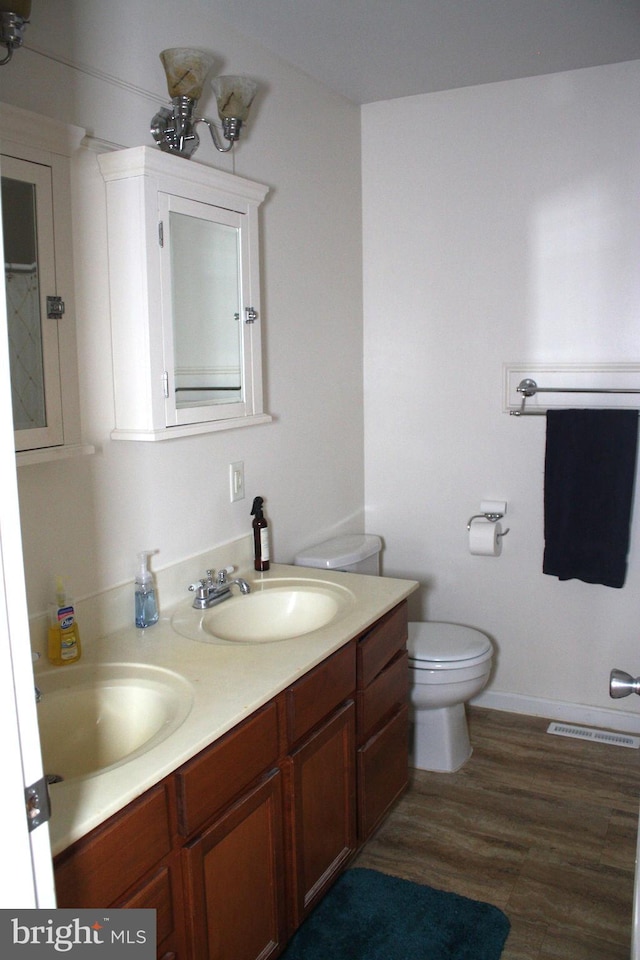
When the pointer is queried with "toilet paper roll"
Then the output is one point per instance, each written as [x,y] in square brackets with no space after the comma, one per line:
[485,539]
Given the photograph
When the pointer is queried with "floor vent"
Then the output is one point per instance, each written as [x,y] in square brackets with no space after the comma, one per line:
[599,736]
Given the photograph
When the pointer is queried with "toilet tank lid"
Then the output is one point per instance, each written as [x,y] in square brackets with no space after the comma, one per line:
[339,551]
[445,642]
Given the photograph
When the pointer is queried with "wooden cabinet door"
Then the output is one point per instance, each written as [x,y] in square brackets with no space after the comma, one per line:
[163,893]
[321,793]
[234,871]
[383,772]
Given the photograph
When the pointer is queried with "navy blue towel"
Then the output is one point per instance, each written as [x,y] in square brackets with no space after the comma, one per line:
[589,474]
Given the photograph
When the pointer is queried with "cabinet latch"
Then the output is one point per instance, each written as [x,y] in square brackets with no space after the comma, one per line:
[37,803]
[250,315]
[55,308]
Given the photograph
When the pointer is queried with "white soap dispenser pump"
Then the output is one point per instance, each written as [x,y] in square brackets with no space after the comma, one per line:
[145,592]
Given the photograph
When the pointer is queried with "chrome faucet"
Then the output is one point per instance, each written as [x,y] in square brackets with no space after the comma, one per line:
[209,592]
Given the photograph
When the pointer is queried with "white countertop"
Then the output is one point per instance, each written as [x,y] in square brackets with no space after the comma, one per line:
[229,683]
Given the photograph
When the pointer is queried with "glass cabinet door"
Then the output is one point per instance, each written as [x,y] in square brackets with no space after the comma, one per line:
[29,269]
[204,322]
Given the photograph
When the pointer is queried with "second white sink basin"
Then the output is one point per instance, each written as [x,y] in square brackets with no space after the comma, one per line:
[92,718]
[275,610]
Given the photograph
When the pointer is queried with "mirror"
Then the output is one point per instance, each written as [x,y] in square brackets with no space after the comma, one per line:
[207,339]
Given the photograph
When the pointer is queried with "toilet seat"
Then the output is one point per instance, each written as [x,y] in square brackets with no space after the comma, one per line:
[446,646]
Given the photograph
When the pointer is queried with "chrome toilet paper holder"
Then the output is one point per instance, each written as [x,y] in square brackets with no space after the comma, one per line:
[492,510]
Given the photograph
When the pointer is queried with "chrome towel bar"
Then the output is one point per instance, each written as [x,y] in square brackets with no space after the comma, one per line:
[529,388]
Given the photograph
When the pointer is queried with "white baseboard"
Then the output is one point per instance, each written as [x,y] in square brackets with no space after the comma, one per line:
[558,710]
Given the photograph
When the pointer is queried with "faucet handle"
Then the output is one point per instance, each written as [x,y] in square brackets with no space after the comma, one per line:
[222,575]
[200,587]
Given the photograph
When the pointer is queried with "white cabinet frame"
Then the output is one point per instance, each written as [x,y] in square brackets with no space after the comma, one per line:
[38,140]
[137,182]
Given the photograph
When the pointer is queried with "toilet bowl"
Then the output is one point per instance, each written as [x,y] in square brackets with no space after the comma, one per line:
[449,664]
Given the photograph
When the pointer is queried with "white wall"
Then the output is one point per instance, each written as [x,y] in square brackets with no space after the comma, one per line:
[501,223]
[96,65]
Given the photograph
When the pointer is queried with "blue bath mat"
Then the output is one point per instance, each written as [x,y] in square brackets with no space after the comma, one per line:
[368,915]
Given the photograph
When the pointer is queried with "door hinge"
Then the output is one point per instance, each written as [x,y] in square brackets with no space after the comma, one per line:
[55,308]
[37,803]
[161,233]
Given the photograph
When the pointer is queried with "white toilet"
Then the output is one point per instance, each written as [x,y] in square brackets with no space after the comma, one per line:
[449,664]
[354,553]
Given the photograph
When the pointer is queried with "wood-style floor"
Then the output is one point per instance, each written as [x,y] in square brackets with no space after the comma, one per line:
[542,826]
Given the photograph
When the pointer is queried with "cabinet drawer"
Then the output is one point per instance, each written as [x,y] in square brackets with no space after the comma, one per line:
[385,694]
[97,871]
[383,772]
[384,640]
[317,694]
[212,779]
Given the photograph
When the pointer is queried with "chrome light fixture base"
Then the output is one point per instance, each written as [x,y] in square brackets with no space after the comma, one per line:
[11,32]
[174,129]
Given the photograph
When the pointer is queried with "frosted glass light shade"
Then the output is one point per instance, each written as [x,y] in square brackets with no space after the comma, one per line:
[187,70]
[234,96]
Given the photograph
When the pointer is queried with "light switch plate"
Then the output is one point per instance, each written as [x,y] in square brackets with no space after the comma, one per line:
[236,481]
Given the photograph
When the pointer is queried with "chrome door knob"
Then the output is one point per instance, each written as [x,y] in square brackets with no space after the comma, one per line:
[621,684]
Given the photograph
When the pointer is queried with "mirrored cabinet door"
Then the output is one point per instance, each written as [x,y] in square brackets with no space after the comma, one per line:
[202,285]
[29,270]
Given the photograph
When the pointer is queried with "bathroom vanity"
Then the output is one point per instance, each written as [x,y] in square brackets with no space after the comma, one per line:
[235,846]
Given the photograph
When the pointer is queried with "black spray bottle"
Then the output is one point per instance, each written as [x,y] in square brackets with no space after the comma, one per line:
[260,536]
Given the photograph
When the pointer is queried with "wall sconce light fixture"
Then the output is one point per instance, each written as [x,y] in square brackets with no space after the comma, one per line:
[14,15]
[187,70]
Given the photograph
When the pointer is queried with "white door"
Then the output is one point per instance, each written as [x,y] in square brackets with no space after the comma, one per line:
[26,871]
[635,936]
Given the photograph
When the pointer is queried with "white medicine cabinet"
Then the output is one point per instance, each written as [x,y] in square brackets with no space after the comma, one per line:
[35,169]
[184,274]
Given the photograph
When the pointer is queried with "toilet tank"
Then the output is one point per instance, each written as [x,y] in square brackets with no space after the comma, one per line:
[357,553]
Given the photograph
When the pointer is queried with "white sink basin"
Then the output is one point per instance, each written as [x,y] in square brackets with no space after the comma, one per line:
[275,610]
[93,718]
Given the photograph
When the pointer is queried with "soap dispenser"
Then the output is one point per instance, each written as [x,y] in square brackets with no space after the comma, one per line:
[145,592]
[64,637]
[261,549]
